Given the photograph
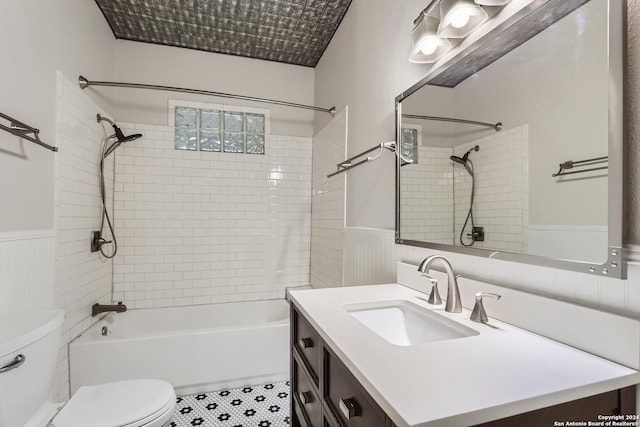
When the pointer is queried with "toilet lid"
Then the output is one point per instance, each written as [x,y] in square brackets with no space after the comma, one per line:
[121,403]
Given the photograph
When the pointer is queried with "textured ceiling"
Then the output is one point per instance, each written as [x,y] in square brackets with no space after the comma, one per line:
[290,31]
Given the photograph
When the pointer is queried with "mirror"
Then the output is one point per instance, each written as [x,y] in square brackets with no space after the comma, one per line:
[520,160]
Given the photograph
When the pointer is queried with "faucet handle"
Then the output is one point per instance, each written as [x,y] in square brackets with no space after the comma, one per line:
[434,296]
[479,314]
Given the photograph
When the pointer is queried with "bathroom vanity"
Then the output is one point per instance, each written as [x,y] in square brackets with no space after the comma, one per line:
[346,372]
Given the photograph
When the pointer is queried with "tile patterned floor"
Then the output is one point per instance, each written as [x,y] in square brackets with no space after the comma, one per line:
[265,405]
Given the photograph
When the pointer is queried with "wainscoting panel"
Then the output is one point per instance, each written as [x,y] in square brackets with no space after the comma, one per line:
[369,256]
[27,271]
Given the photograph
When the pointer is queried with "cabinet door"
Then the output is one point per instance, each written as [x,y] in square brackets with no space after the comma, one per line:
[347,399]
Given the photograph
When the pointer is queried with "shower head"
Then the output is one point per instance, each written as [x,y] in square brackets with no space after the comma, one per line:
[462,160]
[120,137]
[458,159]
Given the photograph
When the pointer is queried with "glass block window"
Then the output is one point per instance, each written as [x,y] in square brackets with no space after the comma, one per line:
[218,130]
[409,145]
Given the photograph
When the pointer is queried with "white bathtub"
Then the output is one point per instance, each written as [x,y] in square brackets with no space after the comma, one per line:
[195,348]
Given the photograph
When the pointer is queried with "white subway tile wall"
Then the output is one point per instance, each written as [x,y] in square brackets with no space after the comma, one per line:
[426,193]
[207,227]
[501,203]
[83,278]
[328,204]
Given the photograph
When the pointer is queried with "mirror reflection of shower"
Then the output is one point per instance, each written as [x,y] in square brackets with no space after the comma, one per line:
[477,233]
[109,144]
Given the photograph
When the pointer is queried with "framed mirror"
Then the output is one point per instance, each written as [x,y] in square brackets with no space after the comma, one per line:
[511,147]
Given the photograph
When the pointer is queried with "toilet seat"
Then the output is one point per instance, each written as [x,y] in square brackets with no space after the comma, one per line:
[133,403]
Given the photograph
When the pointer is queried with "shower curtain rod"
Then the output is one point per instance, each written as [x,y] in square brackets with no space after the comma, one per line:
[496,126]
[85,83]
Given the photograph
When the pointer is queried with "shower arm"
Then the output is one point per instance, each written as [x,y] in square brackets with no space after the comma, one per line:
[100,118]
[85,83]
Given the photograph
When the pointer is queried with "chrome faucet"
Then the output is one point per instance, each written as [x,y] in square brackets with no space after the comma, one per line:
[453,292]
[103,308]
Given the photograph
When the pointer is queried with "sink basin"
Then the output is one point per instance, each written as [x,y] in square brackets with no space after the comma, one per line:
[404,323]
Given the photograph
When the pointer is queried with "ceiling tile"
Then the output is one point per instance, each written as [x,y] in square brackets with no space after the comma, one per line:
[290,31]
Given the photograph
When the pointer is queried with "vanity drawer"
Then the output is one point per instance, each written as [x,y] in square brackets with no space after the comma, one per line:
[350,403]
[307,341]
[306,397]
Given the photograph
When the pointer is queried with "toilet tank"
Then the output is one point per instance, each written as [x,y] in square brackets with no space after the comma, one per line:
[29,344]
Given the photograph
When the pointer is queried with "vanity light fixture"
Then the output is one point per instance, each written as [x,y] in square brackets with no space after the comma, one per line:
[458,18]
[492,2]
[426,46]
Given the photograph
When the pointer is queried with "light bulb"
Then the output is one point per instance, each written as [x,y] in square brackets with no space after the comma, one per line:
[459,18]
[428,46]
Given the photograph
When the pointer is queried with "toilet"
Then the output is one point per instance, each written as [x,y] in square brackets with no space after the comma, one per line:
[29,344]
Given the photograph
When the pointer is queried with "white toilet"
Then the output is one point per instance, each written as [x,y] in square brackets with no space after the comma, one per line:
[28,352]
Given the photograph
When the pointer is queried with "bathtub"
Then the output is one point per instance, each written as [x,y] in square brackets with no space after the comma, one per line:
[195,348]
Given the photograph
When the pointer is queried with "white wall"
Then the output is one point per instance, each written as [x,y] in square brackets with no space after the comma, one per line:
[171,66]
[366,67]
[39,38]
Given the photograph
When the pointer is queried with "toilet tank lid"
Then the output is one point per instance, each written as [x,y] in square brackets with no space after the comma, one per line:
[18,330]
[120,403]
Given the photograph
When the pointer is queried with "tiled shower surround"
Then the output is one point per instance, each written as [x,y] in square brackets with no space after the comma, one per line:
[435,193]
[501,204]
[327,224]
[205,227]
[426,194]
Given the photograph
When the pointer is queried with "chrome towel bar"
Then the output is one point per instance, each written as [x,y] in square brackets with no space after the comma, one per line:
[570,164]
[23,130]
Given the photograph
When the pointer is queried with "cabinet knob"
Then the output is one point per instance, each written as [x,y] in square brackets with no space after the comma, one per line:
[305,343]
[305,397]
[348,408]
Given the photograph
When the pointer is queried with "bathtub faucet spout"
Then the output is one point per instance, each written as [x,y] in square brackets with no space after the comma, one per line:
[103,308]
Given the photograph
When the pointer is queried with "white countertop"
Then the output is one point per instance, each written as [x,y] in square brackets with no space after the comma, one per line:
[503,371]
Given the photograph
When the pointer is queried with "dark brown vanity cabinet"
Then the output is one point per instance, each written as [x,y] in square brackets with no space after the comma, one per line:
[323,391]
[326,394]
